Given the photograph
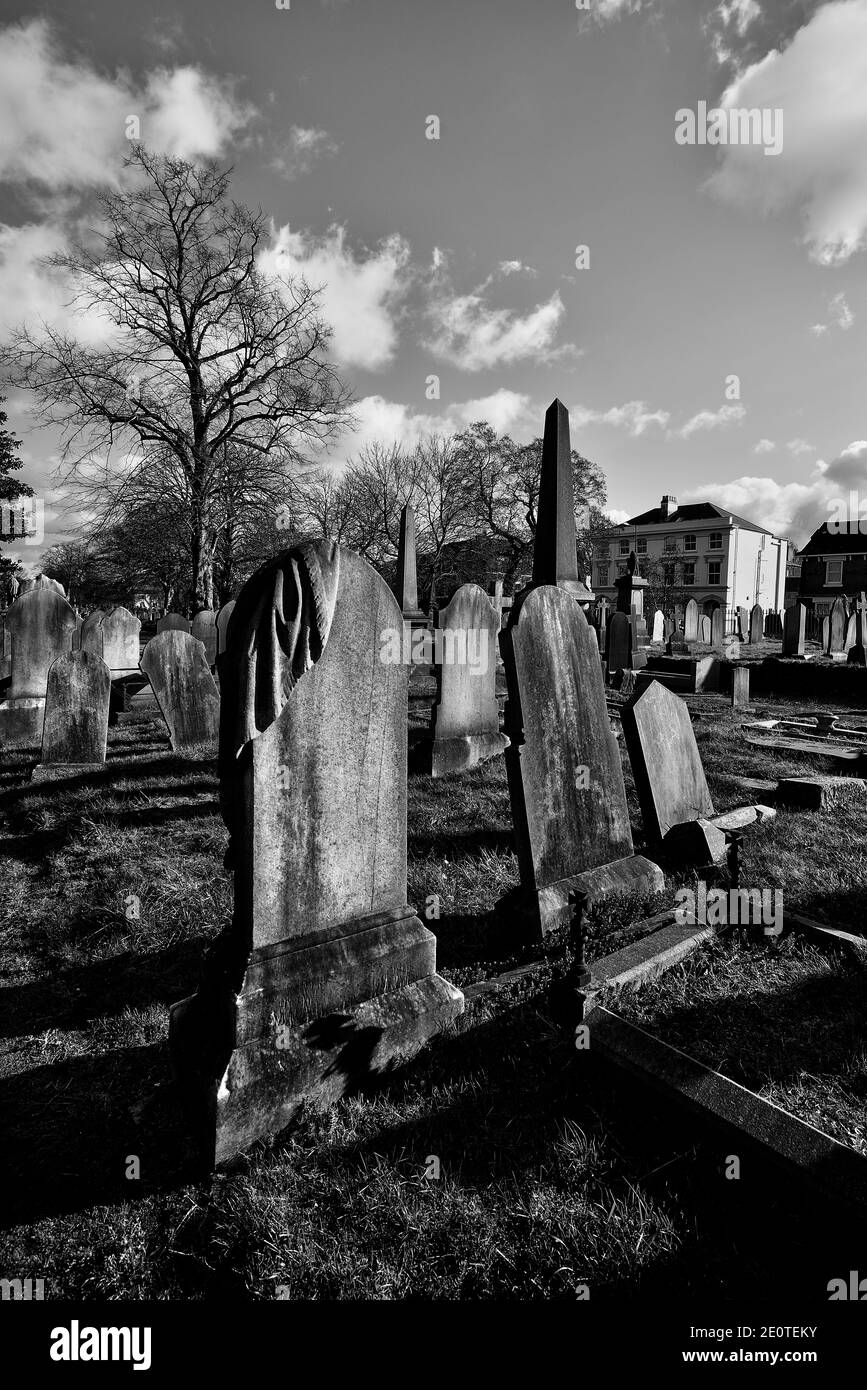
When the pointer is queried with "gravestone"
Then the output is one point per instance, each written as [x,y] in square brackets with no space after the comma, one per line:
[717,626]
[326,975]
[173,622]
[826,632]
[672,790]
[222,624]
[677,644]
[75,731]
[839,621]
[465,719]
[658,626]
[120,641]
[5,651]
[563,764]
[794,630]
[27,586]
[757,623]
[740,692]
[90,637]
[618,650]
[669,628]
[406,584]
[555,548]
[690,622]
[174,663]
[76,636]
[742,619]
[41,624]
[857,651]
[204,629]
[705,628]
[851,631]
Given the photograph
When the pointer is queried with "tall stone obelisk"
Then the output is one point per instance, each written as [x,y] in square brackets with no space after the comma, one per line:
[555,556]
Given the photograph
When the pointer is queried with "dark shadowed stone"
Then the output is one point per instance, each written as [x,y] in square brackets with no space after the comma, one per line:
[677,644]
[565,775]
[619,644]
[223,617]
[690,621]
[406,589]
[175,664]
[120,641]
[465,720]
[743,624]
[794,629]
[76,712]
[757,623]
[204,629]
[717,626]
[90,635]
[817,793]
[555,551]
[173,622]
[41,624]
[326,975]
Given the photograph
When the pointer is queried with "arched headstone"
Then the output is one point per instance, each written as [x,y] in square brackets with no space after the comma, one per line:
[465,719]
[174,663]
[173,622]
[204,629]
[41,624]
[75,731]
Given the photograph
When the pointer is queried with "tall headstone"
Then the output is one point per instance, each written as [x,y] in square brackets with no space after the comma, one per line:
[757,623]
[174,663]
[326,975]
[704,628]
[857,652]
[465,720]
[658,633]
[690,622]
[717,626]
[563,763]
[222,624]
[555,550]
[839,621]
[204,629]
[120,641]
[41,624]
[794,630]
[75,731]
[742,624]
[826,632]
[740,691]
[173,622]
[90,636]
[406,590]
[618,646]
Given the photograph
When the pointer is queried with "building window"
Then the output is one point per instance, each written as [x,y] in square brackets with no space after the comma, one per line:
[689,543]
[624,547]
[715,542]
[688,575]
[668,576]
[641,546]
[670,543]
[713,569]
[602,575]
[833,572]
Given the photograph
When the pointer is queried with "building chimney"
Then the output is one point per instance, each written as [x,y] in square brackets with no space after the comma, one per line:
[668,506]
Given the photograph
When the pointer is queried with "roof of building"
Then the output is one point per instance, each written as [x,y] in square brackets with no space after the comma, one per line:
[825,542]
[692,511]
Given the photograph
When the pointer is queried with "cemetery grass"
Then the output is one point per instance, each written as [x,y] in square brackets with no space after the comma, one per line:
[544,1183]
[785,1020]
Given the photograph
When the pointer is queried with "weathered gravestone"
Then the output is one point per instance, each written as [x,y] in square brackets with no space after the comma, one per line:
[677,644]
[757,623]
[173,622]
[76,636]
[222,624]
[326,975]
[565,776]
[826,632]
[555,551]
[174,663]
[740,690]
[618,648]
[41,624]
[675,801]
[27,586]
[839,622]
[705,628]
[406,583]
[89,634]
[669,627]
[742,620]
[204,629]
[658,626]
[690,622]
[5,651]
[75,731]
[120,641]
[465,720]
[794,630]
[717,626]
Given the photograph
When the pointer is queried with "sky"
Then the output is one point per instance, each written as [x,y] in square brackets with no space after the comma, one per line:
[709,342]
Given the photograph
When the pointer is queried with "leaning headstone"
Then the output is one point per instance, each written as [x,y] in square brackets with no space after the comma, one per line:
[173,622]
[75,731]
[204,629]
[705,628]
[90,637]
[690,622]
[555,549]
[326,975]
[120,641]
[41,624]
[658,626]
[839,622]
[175,664]
[717,626]
[757,623]
[672,790]
[222,624]
[465,720]
[794,629]
[563,763]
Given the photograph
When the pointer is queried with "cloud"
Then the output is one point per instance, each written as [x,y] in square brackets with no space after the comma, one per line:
[385,421]
[63,124]
[841,316]
[711,420]
[307,144]
[472,336]
[361,296]
[800,446]
[765,446]
[634,417]
[728,24]
[820,83]
[609,11]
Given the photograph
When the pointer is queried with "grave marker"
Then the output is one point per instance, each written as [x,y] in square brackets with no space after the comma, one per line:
[794,630]
[839,622]
[717,626]
[204,629]
[658,626]
[90,637]
[75,730]
[222,624]
[465,719]
[690,622]
[120,641]
[174,663]
[41,624]
[757,623]
[173,622]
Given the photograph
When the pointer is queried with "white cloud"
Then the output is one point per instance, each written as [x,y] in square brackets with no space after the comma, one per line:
[473,336]
[728,23]
[635,417]
[609,11]
[820,83]
[360,295]
[711,420]
[765,446]
[617,516]
[800,446]
[62,123]
[819,329]
[306,145]
[30,293]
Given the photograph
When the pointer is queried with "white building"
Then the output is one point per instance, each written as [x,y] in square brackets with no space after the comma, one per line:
[699,550]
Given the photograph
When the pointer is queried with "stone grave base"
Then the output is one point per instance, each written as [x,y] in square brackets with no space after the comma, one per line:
[61,772]
[548,908]
[21,721]
[307,1024]
[459,754]
[703,841]
[817,792]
